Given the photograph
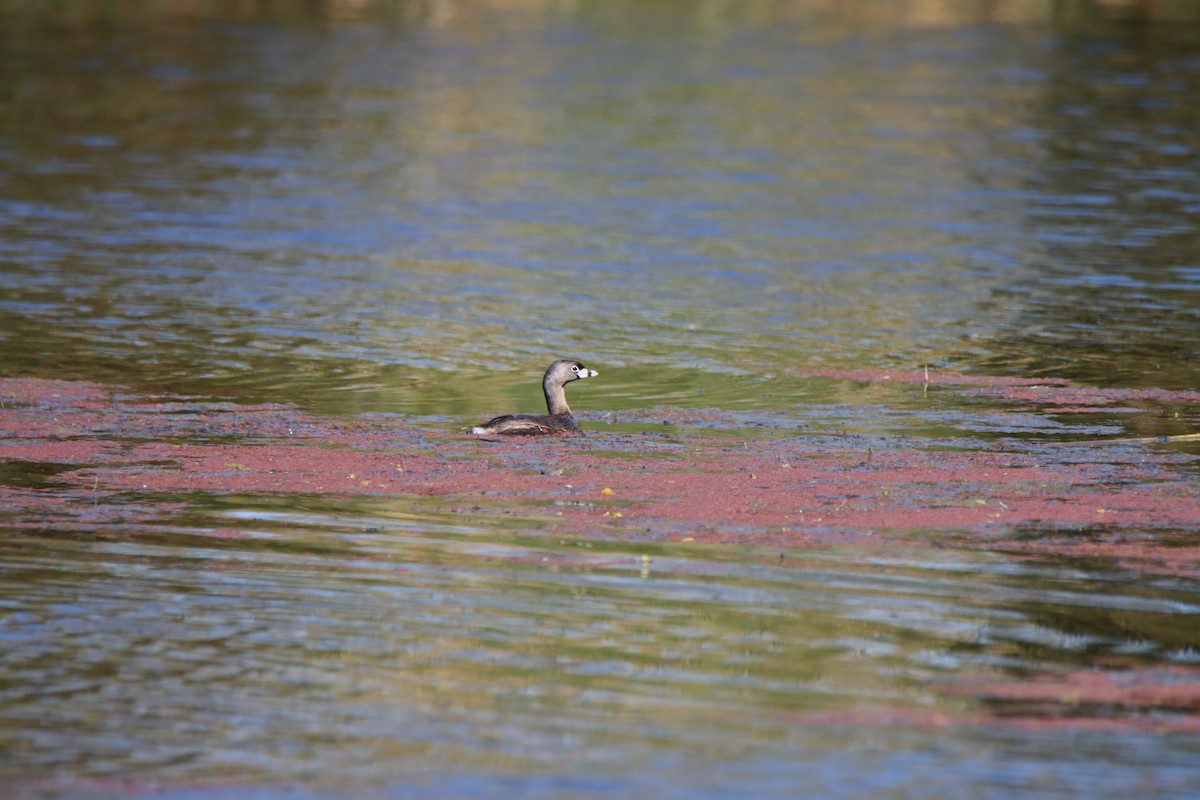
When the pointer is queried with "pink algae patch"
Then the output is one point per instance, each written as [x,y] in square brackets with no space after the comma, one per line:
[801,491]
[40,390]
[1145,555]
[1161,688]
[1154,698]
[932,378]
[1031,719]
[1052,391]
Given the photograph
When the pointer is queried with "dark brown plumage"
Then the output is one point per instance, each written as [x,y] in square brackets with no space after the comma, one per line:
[559,420]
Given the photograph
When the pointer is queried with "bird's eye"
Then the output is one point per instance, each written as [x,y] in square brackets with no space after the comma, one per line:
[574,368]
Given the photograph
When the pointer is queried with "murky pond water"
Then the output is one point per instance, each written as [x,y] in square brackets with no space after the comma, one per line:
[746,216]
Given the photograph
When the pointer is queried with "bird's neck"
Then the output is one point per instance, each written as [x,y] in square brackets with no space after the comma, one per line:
[556,399]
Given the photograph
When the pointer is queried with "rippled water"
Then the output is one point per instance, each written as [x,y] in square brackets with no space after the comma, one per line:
[410,208]
[385,643]
[295,207]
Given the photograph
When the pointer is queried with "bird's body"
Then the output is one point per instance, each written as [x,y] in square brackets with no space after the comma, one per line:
[559,420]
[528,425]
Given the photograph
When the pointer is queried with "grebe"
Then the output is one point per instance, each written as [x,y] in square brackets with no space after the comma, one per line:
[559,420]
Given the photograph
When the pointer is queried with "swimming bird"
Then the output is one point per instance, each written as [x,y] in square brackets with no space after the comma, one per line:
[559,420]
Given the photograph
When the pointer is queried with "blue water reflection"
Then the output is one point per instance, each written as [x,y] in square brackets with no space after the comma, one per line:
[745,195]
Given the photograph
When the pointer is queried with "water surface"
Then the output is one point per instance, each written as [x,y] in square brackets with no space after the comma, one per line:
[298,207]
[409,209]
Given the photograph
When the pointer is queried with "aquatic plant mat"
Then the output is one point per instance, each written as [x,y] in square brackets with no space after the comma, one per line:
[206,597]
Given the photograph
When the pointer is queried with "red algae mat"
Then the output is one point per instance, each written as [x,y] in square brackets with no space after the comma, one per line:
[84,454]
